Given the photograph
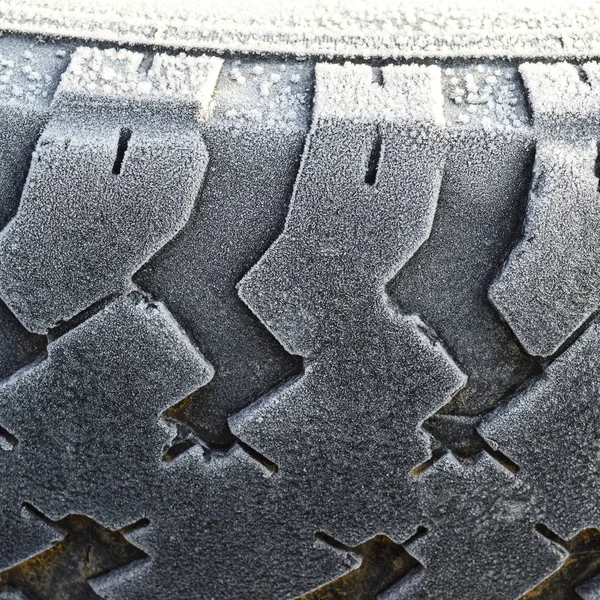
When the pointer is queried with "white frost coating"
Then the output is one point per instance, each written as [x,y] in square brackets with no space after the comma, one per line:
[550,284]
[543,293]
[410,93]
[267,96]
[116,75]
[386,28]
[371,373]
[484,96]
[564,99]
[115,199]
[29,71]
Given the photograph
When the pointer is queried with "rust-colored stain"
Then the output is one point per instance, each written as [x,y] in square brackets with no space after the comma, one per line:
[178,447]
[62,571]
[383,563]
[182,413]
[580,566]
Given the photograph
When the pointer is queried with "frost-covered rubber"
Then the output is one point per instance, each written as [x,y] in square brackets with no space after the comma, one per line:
[276,328]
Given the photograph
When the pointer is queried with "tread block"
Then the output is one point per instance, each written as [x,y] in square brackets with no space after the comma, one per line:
[106,190]
[95,228]
[334,214]
[548,287]
[121,368]
[258,516]
[560,411]
[371,373]
[481,541]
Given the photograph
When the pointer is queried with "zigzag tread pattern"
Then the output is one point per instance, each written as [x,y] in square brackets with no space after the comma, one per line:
[320,291]
[330,451]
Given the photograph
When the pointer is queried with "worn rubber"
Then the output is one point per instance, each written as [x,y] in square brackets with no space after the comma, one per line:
[276,328]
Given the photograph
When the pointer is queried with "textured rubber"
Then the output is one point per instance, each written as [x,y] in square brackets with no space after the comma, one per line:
[293,329]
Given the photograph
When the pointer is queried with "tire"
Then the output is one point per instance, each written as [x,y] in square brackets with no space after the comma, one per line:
[277,327]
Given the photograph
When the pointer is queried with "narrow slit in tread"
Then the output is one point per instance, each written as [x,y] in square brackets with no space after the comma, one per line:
[177,449]
[7,440]
[435,456]
[549,534]
[124,137]
[377,76]
[63,327]
[258,457]
[139,524]
[572,338]
[38,514]
[332,542]
[374,158]
[597,164]
[501,458]
[583,76]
